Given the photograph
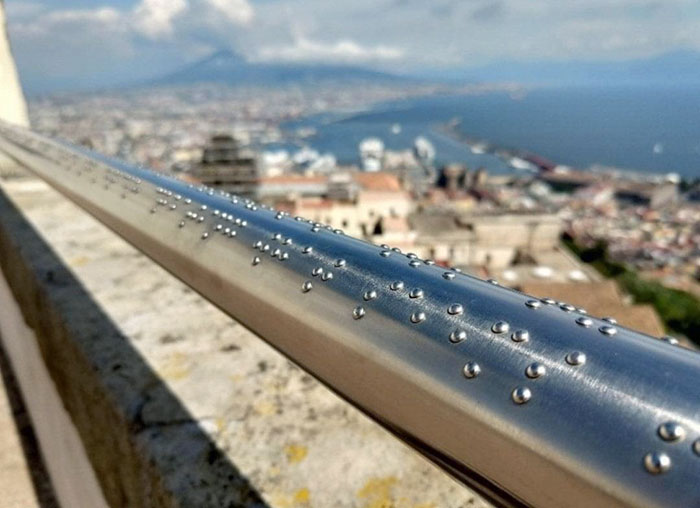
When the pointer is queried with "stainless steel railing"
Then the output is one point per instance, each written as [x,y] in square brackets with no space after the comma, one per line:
[530,401]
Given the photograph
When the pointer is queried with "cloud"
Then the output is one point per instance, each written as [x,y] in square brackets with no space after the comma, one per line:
[154,18]
[236,11]
[344,50]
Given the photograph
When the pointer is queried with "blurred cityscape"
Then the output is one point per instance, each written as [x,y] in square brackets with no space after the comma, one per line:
[613,242]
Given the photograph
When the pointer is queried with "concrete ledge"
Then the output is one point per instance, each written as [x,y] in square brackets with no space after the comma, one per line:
[175,403]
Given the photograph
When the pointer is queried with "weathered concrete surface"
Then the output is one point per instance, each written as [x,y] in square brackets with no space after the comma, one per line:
[15,478]
[179,405]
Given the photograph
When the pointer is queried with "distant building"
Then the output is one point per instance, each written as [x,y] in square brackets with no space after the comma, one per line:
[361,204]
[229,164]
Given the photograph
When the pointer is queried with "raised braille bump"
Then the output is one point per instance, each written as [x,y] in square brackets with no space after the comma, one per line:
[671,431]
[218,227]
[284,256]
[548,301]
[275,253]
[317,271]
[396,285]
[277,236]
[448,275]
[416,293]
[358,312]
[500,327]
[326,276]
[256,261]
[370,295]
[307,286]
[520,336]
[411,255]
[535,370]
[385,253]
[455,309]
[418,317]
[287,241]
[414,263]
[671,340]
[492,281]
[339,263]
[231,233]
[458,336]
[315,229]
[610,320]
[696,447]
[307,250]
[205,235]
[584,321]
[576,358]
[657,462]
[521,395]
[608,330]
[182,224]
[471,370]
[533,304]
[566,307]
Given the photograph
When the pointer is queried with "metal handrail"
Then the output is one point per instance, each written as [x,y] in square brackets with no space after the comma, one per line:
[530,401]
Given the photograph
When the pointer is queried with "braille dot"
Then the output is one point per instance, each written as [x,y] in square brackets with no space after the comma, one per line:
[231,233]
[458,336]
[471,370]
[339,263]
[500,327]
[492,281]
[576,358]
[584,321]
[657,462]
[370,295]
[567,307]
[607,330]
[218,227]
[325,276]
[284,256]
[256,261]
[396,285]
[521,395]
[458,270]
[396,249]
[200,219]
[581,310]
[520,336]
[411,255]
[277,236]
[448,275]
[265,248]
[535,370]
[307,250]
[317,271]
[385,253]
[671,340]
[358,312]
[671,431]
[287,241]
[429,262]
[275,253]
[414,263]
[696,447]
[416,293]
[455,309]
[418,317]
[182,224]
[384,246]
[610,320]
[315,229]
[548,301]
[205,236]
[307,286]
[533,304]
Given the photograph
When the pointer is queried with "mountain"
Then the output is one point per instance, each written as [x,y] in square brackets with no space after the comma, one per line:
[231,68]
[668,69]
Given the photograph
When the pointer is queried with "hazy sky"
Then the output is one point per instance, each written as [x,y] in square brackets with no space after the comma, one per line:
[120,40]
